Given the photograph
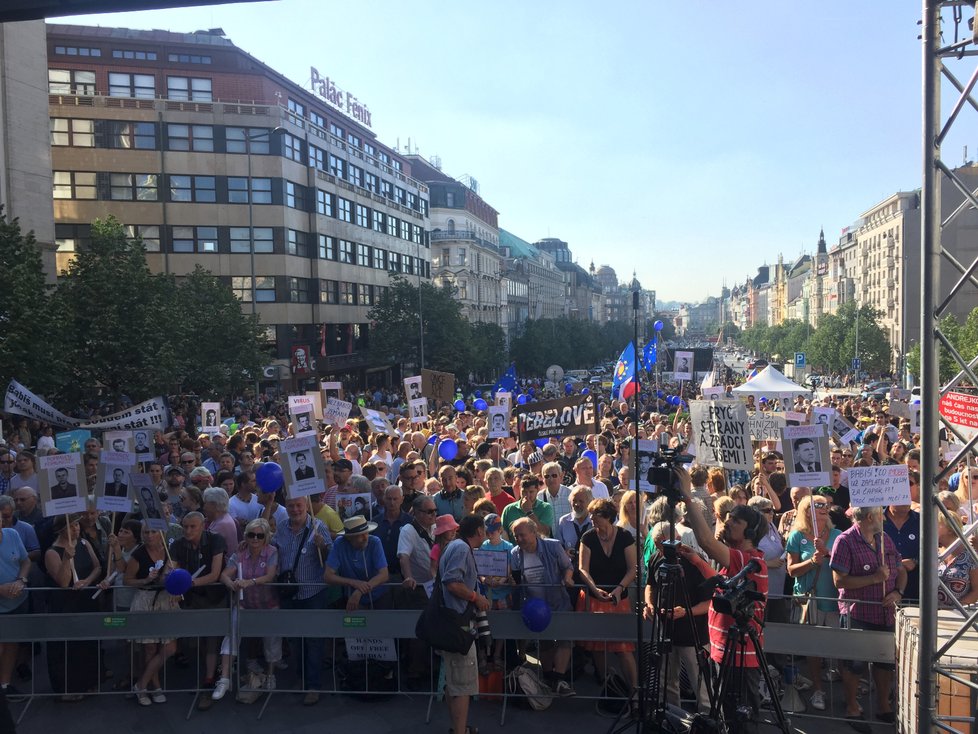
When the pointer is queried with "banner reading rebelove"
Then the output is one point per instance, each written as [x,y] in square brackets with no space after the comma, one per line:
[152,413]
[572,416]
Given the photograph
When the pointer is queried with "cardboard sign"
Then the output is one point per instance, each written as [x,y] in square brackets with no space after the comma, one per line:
[300,404]
[351,505]
[302,466]
[304,423]
[371,648]
[438,386]
[113,485]
[765,426]
[571,416]
[336,412]
[72,442]
[412,388]
[646,453]
[713,393]
[210,418]
[683,368]
[823,417]
[899,410]
[378,422]
[721,434]
[62,486]
[879,486]
[331,390]
[148,498]
[491,562]
[806,456]
[795,418]
[504,400]
[419,410]
[317,403]
[498,421]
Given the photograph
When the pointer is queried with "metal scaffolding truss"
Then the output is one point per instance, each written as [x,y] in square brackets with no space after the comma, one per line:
[950,48]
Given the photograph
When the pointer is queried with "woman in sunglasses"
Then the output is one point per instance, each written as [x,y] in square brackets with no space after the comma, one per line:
[247,575]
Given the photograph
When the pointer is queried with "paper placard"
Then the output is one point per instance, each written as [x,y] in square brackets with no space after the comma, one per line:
[646,453]
[713,393]
[351,505]
[371,648]
[210,418]
[148,498]
[412,388]
[721,434]
[302,466]
[336,412]
[823,417]
[491,562]
[504,399]
[331,390]
[419,410]
[806,456]
[683,368]
[118,441]
[63,489]
[72,442]
[898,409]
[304,422]
[765,426]
[317,403]
[300,404]
[113,483]
[378,422]
[498,421]
[879,486]
[915,418]
[795,418]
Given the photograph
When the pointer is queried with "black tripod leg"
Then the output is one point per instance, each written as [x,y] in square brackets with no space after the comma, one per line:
[782,720]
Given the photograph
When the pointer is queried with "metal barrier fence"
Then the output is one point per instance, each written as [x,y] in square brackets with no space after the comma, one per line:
[785,644]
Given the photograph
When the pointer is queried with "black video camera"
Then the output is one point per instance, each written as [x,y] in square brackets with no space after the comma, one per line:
[738,595]
[662,472]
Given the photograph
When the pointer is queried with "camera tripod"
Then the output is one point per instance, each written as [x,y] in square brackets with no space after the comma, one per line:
[730,708]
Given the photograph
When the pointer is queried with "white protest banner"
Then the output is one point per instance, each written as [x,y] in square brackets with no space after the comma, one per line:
[300,404]
[112,483]
[806,455]
[336,412]
[302,466]
[879,486]
[210,418]
[419,410]
[498,421]
[765,426]
[152,413]
[21,401]
[378,421]
[491,563]
[683,368]
[63,488]
[721,434]
[371,648]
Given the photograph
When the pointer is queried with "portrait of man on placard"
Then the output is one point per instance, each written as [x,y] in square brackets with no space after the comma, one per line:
[142,443]
[303,467]
[149,504]
[62,487]
[413,387]
[117,486]
[303,422]
[806,455]
[210,417]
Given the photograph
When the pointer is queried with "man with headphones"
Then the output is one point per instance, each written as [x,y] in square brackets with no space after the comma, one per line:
[732,548]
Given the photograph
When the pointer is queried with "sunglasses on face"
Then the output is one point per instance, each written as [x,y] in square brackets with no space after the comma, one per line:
[255,536]
[820,505]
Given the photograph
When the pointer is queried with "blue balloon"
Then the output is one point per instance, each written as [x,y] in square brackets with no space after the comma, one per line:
[532,392]
[536,615]
[448,450]
[433,440]
[585,391]
[568,388]
[592,457]
[541,442]
[763,400]
[676,400]
[480,404]
[659,393]
[460,405]
[521,399]
[478,393]
[178,582]
[657,326]
[269,477]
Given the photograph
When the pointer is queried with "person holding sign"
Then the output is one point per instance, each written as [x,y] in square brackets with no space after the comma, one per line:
[539,565]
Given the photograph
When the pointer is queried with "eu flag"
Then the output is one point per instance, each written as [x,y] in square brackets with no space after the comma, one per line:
[624,370]
[506,383]
[649,357]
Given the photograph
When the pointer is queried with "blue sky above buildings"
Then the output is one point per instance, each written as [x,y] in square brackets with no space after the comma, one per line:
[690,142]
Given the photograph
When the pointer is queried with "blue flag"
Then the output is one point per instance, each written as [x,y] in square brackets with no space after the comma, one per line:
[625,369]
[649,356]
[506,383]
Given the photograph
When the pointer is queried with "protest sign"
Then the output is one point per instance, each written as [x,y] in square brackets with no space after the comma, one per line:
[765,426]
[412,387]
[302,466]
[21,401]
[331,390]
[210,418]
[120,441]
[683,368]
[378,422]
[915,418]
[646,455]
[62,485]
[112,483]
[806,455]
[317,403]
[336,412]
[504,400]
[304,422]
[898,409]
[371,648]
[419,410]
[713,393]
[351,505]
[498,421]
[843,429]
[300,404]
[148,498]
[823,416]
[491,562]
[899,393]
[72,442]
[879,486]
[961,411]
[721,434]
[438,386]
[151,414]
[571,416]
[795,418]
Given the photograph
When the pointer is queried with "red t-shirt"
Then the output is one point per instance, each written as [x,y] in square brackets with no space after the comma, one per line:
[720,623]
[501,500]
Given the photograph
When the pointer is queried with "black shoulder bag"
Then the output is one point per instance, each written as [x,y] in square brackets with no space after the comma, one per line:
[443,628]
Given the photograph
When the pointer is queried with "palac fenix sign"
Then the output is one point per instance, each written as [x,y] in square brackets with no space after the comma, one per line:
[344,101]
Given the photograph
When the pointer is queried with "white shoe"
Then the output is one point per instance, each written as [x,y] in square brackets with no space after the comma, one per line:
[221,688]
[157,695]
[818,700]
[269,682]
[141,696]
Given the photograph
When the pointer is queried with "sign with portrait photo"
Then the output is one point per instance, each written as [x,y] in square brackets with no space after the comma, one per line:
[351,505]
[806,456]
[150,505]
[331,390]
[112,482]
[210,418]
[843,430]
[504,400]
[142,445]
[412,388]
[302,466]
[62,487]
[683,367]
[498,421]
[419,410]
[304,423]
[646,455]
[122,441]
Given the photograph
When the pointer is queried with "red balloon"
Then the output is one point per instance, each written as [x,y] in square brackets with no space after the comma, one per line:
[629,389]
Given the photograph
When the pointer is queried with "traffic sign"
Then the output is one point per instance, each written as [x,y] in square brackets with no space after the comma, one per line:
[856,363]
[799,359]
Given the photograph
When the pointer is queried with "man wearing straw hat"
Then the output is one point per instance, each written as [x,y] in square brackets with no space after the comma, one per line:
[357,562]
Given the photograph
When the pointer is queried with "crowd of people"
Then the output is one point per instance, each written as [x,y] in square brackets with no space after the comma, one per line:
[567,523]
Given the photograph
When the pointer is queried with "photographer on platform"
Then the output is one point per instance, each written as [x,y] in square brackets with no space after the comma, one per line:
[732,548]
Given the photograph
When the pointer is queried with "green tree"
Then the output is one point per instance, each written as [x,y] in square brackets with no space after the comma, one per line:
[730,331]
[668,326]
[30,334]
[488,351]
[963,337]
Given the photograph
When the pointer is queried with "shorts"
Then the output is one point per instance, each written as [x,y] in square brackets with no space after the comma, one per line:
[820,617]
[461,673]
[859,666]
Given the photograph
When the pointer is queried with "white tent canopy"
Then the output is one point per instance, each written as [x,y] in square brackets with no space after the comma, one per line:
[769,383]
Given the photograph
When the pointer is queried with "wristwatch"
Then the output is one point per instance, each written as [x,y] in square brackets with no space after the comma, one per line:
[22,579]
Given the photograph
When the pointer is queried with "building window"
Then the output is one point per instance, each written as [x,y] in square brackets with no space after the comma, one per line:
[450,198]
[248,140]
[190,137]
[336,130]
[119,53]
[461,256]
[131,135]
[363,255]
[377,221]
[327,291]
[344,209]
[327,247]
[74,185]
[317,158]
[346,252]
[324,203]
[298,112]
[296,243]
[189,89]
[371,183]
[189,59]
[408,263]
[200,189]
[298,290]
[365,295]
[74,133]
[140,86]
[194,239]
[292,147]
[363,216]
[394,262]
[318,120]
[416,234]
[260,191]
[241,288]
[337,166]
[265,289]
[353,140]
[262,239]
[295,195]
[392,225]
[380,258]
[405,230]
[369,149]
[386,189]
[347,293]
[446,257]
[412,201]
[70,239]
[356,175]
[133,187]
[71,81]
[400,196]
[148,234]
[77,51]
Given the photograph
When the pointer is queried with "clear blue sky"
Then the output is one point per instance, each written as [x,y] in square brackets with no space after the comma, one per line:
[691,141]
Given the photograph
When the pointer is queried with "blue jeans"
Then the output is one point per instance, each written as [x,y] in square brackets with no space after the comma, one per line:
[312,647]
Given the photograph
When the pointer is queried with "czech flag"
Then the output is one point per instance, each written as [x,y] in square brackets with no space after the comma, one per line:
[624,371]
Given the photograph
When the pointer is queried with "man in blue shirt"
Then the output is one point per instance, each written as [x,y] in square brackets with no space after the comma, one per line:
[389,523]
[357,562]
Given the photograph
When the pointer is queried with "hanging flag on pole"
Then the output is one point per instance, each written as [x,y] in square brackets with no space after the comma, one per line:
[624,370]
[506,383]
[649,357]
